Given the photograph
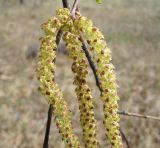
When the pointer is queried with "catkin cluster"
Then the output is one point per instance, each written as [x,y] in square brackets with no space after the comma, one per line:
[73,30]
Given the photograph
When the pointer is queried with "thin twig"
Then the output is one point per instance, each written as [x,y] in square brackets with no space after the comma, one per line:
[58,37]
[125,113]
[66,4]
[46,138]
[124,138]
[91,63]
[49,119]
[74,8]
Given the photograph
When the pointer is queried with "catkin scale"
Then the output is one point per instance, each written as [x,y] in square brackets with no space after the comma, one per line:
[79,68]
[48,88]
[106,75]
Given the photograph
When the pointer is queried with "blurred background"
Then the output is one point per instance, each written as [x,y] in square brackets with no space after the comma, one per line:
[132,30]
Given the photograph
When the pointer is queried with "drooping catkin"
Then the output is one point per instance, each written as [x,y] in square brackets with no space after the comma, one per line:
[45,74]
[105,72]
[86,107]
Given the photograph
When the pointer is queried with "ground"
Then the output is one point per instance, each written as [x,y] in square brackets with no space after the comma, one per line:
[132,31]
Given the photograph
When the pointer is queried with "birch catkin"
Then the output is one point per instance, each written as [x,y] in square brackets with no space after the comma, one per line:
[45,74]
[105,72]
[79,68]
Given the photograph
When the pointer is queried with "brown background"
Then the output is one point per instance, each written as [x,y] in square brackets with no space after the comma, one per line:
[132,30]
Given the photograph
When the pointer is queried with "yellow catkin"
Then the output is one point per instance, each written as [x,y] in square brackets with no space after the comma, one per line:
[45,74]
[105,72]
[79,68]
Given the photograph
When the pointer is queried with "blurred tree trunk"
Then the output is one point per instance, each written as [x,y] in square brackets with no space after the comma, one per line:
[21,1]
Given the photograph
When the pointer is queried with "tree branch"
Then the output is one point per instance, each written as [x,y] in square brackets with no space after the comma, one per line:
[91,63]
[125,113]
[124,138]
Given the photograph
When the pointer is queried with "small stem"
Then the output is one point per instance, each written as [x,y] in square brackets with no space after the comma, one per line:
[46,138]
[74,8]
[125,113]
[91,63]
[58,37]
[124,138]
[66,4]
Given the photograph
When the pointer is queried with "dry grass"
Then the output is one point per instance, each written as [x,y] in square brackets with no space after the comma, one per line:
[132,29]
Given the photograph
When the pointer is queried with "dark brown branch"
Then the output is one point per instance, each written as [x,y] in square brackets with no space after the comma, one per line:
[125,113]
[49,119]
[66,4]
[124,138]
[91,63]
[58,37]
[46,138]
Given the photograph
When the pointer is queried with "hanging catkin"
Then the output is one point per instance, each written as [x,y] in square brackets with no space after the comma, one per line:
[48,87]
[79,68]
[105,72]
